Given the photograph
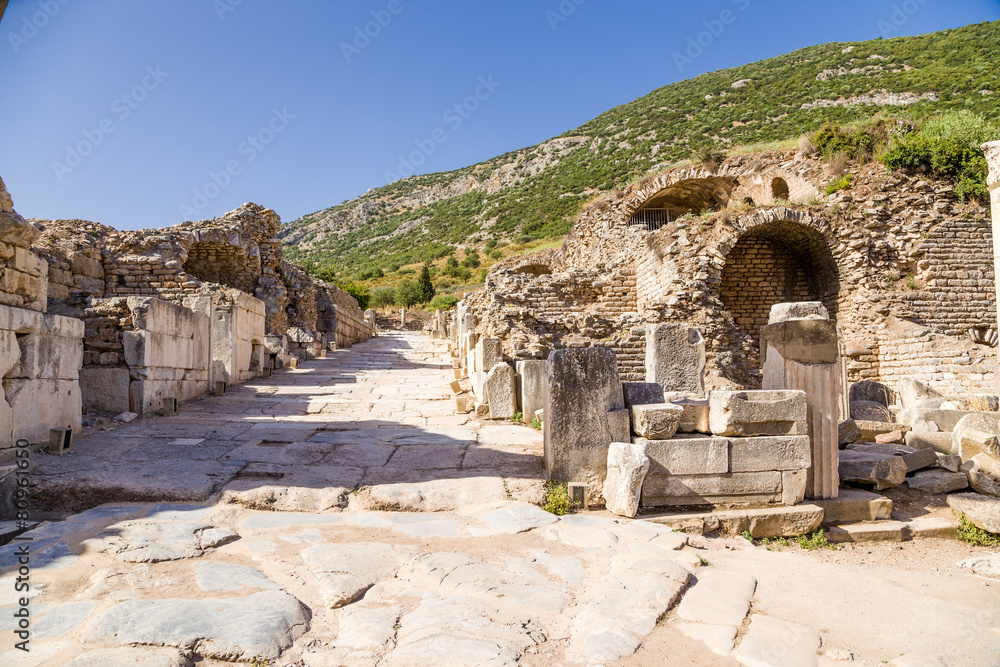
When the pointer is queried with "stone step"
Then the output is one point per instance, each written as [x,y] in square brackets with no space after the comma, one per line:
[761,522]
[854,505]
[895,531]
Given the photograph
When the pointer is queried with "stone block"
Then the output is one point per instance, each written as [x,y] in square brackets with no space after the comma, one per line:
[49,357]
[872,392]
[915,459]
[627,467]
[711,489]
[949,462]
[880,470]
[912,392]
[805,341]
[848,432]
[531,378]
[40,405]
[981,480]
[499,389]
[642,393]
[871,430]
[17,231]
[938,481]
[658,421]
[584,413]
[771,521]
[759,454]
[489,353]
[945,420]
[978,434]
[793,486]
[798,310]
[456,387]
[981,511]
[695,416]
[881,531]
[675,357]
[751,413]
[687,456]
[893,437]
[104,389]
[940,442]
[853,505]
[870,412]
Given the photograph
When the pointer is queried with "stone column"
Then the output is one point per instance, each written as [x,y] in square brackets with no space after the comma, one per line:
[992,150]
[800,349]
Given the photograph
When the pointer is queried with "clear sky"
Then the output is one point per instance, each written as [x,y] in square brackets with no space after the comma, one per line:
[145,113]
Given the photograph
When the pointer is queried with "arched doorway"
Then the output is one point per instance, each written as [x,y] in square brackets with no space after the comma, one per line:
[779,189]
[694,196]
[776,262]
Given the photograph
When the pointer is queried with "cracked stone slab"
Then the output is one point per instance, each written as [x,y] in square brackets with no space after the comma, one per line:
[440,495]
[363,638]
[144,541]
[719,638]
[346,571]
[459,632]
[718,598]
[59,621]
[511,520]
[772,641]
[131,657]
[263,522]
[300,489]
[261,625]
[229,577]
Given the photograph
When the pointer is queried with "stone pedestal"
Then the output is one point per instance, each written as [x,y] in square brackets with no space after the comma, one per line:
[675,358]
[802,353]
[992,151]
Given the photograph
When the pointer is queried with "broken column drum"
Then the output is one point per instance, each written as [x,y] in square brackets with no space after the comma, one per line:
[799,348]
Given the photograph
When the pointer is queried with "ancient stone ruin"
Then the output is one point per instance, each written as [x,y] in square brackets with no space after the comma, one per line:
[721,337]
[96,320]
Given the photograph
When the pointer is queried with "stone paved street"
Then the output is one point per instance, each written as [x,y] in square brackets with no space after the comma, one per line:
[343,514]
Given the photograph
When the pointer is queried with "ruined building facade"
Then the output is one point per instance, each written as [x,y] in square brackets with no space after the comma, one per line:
[95,319]
[904,269]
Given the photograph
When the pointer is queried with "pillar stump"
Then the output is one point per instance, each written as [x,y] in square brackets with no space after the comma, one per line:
[799,349]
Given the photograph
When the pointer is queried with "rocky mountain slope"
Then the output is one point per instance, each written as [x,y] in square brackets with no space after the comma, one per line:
[536,192]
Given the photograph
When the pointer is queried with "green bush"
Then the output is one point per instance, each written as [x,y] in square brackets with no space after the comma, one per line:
[443,302]
[382,297]
[855,143]
[838,184]
[974,535]
[359,292]
[947,147]
[556,498]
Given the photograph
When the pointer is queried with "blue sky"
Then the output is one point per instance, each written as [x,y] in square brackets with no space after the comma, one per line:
[143,113]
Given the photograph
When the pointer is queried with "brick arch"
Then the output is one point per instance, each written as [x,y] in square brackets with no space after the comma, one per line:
[776,256]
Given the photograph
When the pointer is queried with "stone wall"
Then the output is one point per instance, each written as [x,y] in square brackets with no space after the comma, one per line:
[891,247]
[139,350]
[40,353]
[238,337]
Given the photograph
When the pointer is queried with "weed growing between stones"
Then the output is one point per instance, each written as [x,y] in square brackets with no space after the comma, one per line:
[556,498]
[808,541]
[517,417]
[974,535]
[536,424]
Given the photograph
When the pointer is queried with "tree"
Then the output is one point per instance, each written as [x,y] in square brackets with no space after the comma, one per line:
[408,294]
[427,290]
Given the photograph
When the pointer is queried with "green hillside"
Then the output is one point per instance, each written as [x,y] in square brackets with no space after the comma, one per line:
[526,197]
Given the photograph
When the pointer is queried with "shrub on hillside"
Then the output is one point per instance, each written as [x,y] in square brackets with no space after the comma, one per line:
[443,302]
[359,292]
[383,297]
[947,147]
